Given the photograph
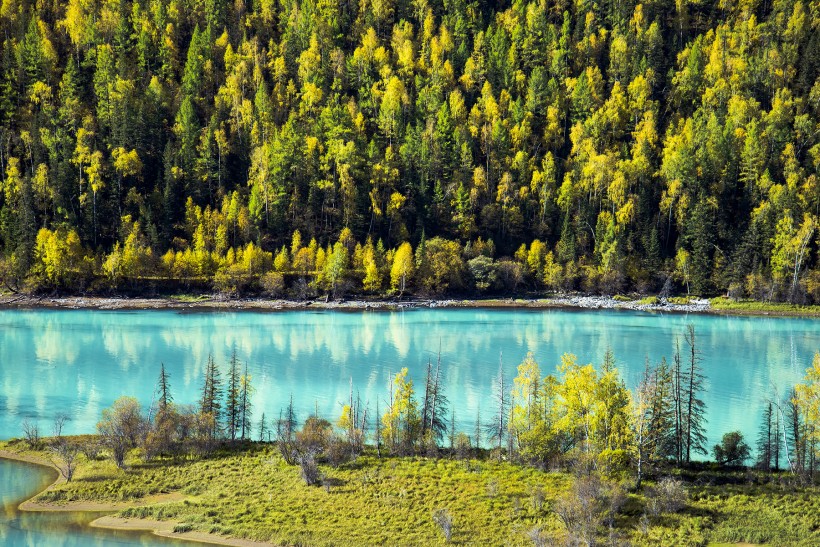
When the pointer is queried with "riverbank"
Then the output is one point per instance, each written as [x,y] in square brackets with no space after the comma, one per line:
[207,302]
[218,303]
[248,496]
[168,529]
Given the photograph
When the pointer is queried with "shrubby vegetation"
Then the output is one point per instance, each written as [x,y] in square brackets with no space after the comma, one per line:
[429,146]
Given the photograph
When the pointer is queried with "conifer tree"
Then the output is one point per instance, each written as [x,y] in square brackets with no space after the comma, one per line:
[210,404]
[245,406]
[163,389]
[233,398]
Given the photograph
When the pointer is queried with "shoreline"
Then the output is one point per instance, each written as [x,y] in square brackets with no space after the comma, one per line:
[165,528]
[114,522]
[215,303]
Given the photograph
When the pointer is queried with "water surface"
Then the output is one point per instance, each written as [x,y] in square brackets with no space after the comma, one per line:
[79,361]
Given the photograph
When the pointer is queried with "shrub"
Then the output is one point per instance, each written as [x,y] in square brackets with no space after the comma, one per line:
[732,449]
[309,469]
[273,284]
[444,521]
[668,496]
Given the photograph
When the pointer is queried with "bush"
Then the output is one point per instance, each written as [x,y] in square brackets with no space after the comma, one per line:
[444,521]
[732,449]
[591,504]
[309,469]
[668,496]
[273,284]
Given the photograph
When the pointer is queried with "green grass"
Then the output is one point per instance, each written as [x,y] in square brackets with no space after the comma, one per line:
[756,306]
[682,300]
[256,495]
[253,493]
[189,298]
[648,301]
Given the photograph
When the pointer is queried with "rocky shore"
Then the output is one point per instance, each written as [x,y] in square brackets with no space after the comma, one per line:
[216,302]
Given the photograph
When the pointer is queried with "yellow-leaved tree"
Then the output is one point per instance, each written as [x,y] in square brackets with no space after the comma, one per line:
[807,397]
[401,421]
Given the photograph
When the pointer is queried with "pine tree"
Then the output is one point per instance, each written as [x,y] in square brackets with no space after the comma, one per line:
[245,406]
[286,426]
[163,388]
[692,407]
[233,410]
[434,406]
[497,428]
[768,442]
[211,402]
[264,429]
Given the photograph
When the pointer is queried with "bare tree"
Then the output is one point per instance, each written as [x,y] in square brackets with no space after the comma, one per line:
[31,431]
[667,496]
[65,458]
[60,420]
[122,426]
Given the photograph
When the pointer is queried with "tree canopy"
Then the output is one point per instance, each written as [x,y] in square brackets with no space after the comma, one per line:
[636,143]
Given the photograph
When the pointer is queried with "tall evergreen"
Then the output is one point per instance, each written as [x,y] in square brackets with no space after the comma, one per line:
[163,388]
[693,407]
[233,398]
[210,403]
[245,405]
[435,403]
[497,427]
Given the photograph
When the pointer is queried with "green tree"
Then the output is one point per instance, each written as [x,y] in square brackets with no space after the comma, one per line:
[122,427]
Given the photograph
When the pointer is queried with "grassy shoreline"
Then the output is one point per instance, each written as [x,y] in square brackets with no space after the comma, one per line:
[114,522]
[248,496]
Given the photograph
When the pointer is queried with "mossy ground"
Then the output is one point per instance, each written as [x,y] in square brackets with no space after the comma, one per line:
[722,303]
[251,492]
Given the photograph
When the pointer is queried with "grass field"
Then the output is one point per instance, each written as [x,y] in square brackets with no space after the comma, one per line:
[252,493]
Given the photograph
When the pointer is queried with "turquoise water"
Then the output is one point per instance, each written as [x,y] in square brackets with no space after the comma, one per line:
[78,362]
[19,481]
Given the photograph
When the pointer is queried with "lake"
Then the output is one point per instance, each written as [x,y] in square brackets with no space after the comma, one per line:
[78,361]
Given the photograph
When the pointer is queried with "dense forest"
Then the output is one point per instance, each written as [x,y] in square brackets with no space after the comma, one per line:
[430,146]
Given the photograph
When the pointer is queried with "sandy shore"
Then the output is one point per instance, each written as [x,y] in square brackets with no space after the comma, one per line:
[166,529]
[160,528]
[216,303]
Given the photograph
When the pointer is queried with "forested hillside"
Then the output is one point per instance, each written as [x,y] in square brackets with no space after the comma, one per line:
[425,145]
